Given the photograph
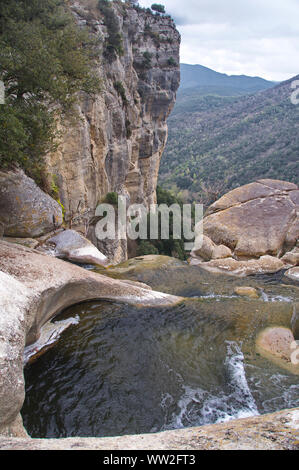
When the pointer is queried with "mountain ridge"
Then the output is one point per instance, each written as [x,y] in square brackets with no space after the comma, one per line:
[226,142]
[198,76]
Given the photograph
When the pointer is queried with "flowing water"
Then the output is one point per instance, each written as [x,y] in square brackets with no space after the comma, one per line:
[124,369]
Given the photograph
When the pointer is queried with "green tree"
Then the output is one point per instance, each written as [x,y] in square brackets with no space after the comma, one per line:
[45,60]
[114,41]
[158,8]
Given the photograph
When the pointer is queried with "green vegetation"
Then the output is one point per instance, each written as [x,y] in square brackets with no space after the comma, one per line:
[121,91]
[171,247]
[54,192]
[158,8]
[147,60]
[111,198]
[206,81]
[146,248]
[217,143]
[114,42]
[45,61]
[171,62]
[128,128]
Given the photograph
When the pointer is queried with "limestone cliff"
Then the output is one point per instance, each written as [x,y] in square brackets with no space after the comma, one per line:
[117,144]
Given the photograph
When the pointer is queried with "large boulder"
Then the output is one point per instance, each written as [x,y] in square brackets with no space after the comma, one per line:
[25,210]
[279,346]
[253,221]
[73,246]
[263,265]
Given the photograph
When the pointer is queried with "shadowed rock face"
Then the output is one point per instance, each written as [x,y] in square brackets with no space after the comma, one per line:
[25,210]
[118,142]
[34,287]
[259,223]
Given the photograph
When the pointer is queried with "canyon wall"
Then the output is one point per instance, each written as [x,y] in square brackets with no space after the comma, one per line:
[117,142]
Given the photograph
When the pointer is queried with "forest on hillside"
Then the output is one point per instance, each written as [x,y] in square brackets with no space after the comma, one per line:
[217,143]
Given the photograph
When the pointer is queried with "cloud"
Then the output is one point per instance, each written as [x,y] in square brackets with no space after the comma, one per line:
[252,37]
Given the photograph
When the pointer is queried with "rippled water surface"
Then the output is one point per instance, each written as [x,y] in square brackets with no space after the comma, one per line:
[125,370]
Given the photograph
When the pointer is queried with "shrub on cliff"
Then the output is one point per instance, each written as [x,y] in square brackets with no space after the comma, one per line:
[111,198]
[114,42]
[45,60]
[158,8]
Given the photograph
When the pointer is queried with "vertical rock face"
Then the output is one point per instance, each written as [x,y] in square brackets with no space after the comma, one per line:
[117,144]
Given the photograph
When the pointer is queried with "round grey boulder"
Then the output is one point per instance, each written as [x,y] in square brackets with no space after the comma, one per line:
[25,210]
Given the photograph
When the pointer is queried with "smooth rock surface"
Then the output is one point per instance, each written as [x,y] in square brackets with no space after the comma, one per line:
[293,274]
[25,210]
[277,431]
[258,223]
[247,292]
[34,287]
[72,246]
[277,341]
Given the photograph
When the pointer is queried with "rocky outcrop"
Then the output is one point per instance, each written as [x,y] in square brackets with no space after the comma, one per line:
[34,287]
[25,210]
[258,224]
[117,143]
[277,344]
[277,431]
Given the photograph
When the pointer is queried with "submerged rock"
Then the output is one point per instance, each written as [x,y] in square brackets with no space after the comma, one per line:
[276,344]
[292,257]
[72,246]
[247,292]
[293,274]
[28,242]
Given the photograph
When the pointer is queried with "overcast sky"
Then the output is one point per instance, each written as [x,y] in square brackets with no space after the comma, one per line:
[251,37]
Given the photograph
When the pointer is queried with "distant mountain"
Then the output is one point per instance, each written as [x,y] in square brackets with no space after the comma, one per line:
[203,78]
[198,81]
[225,142]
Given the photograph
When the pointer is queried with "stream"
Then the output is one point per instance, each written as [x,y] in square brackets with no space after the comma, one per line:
[122,369]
